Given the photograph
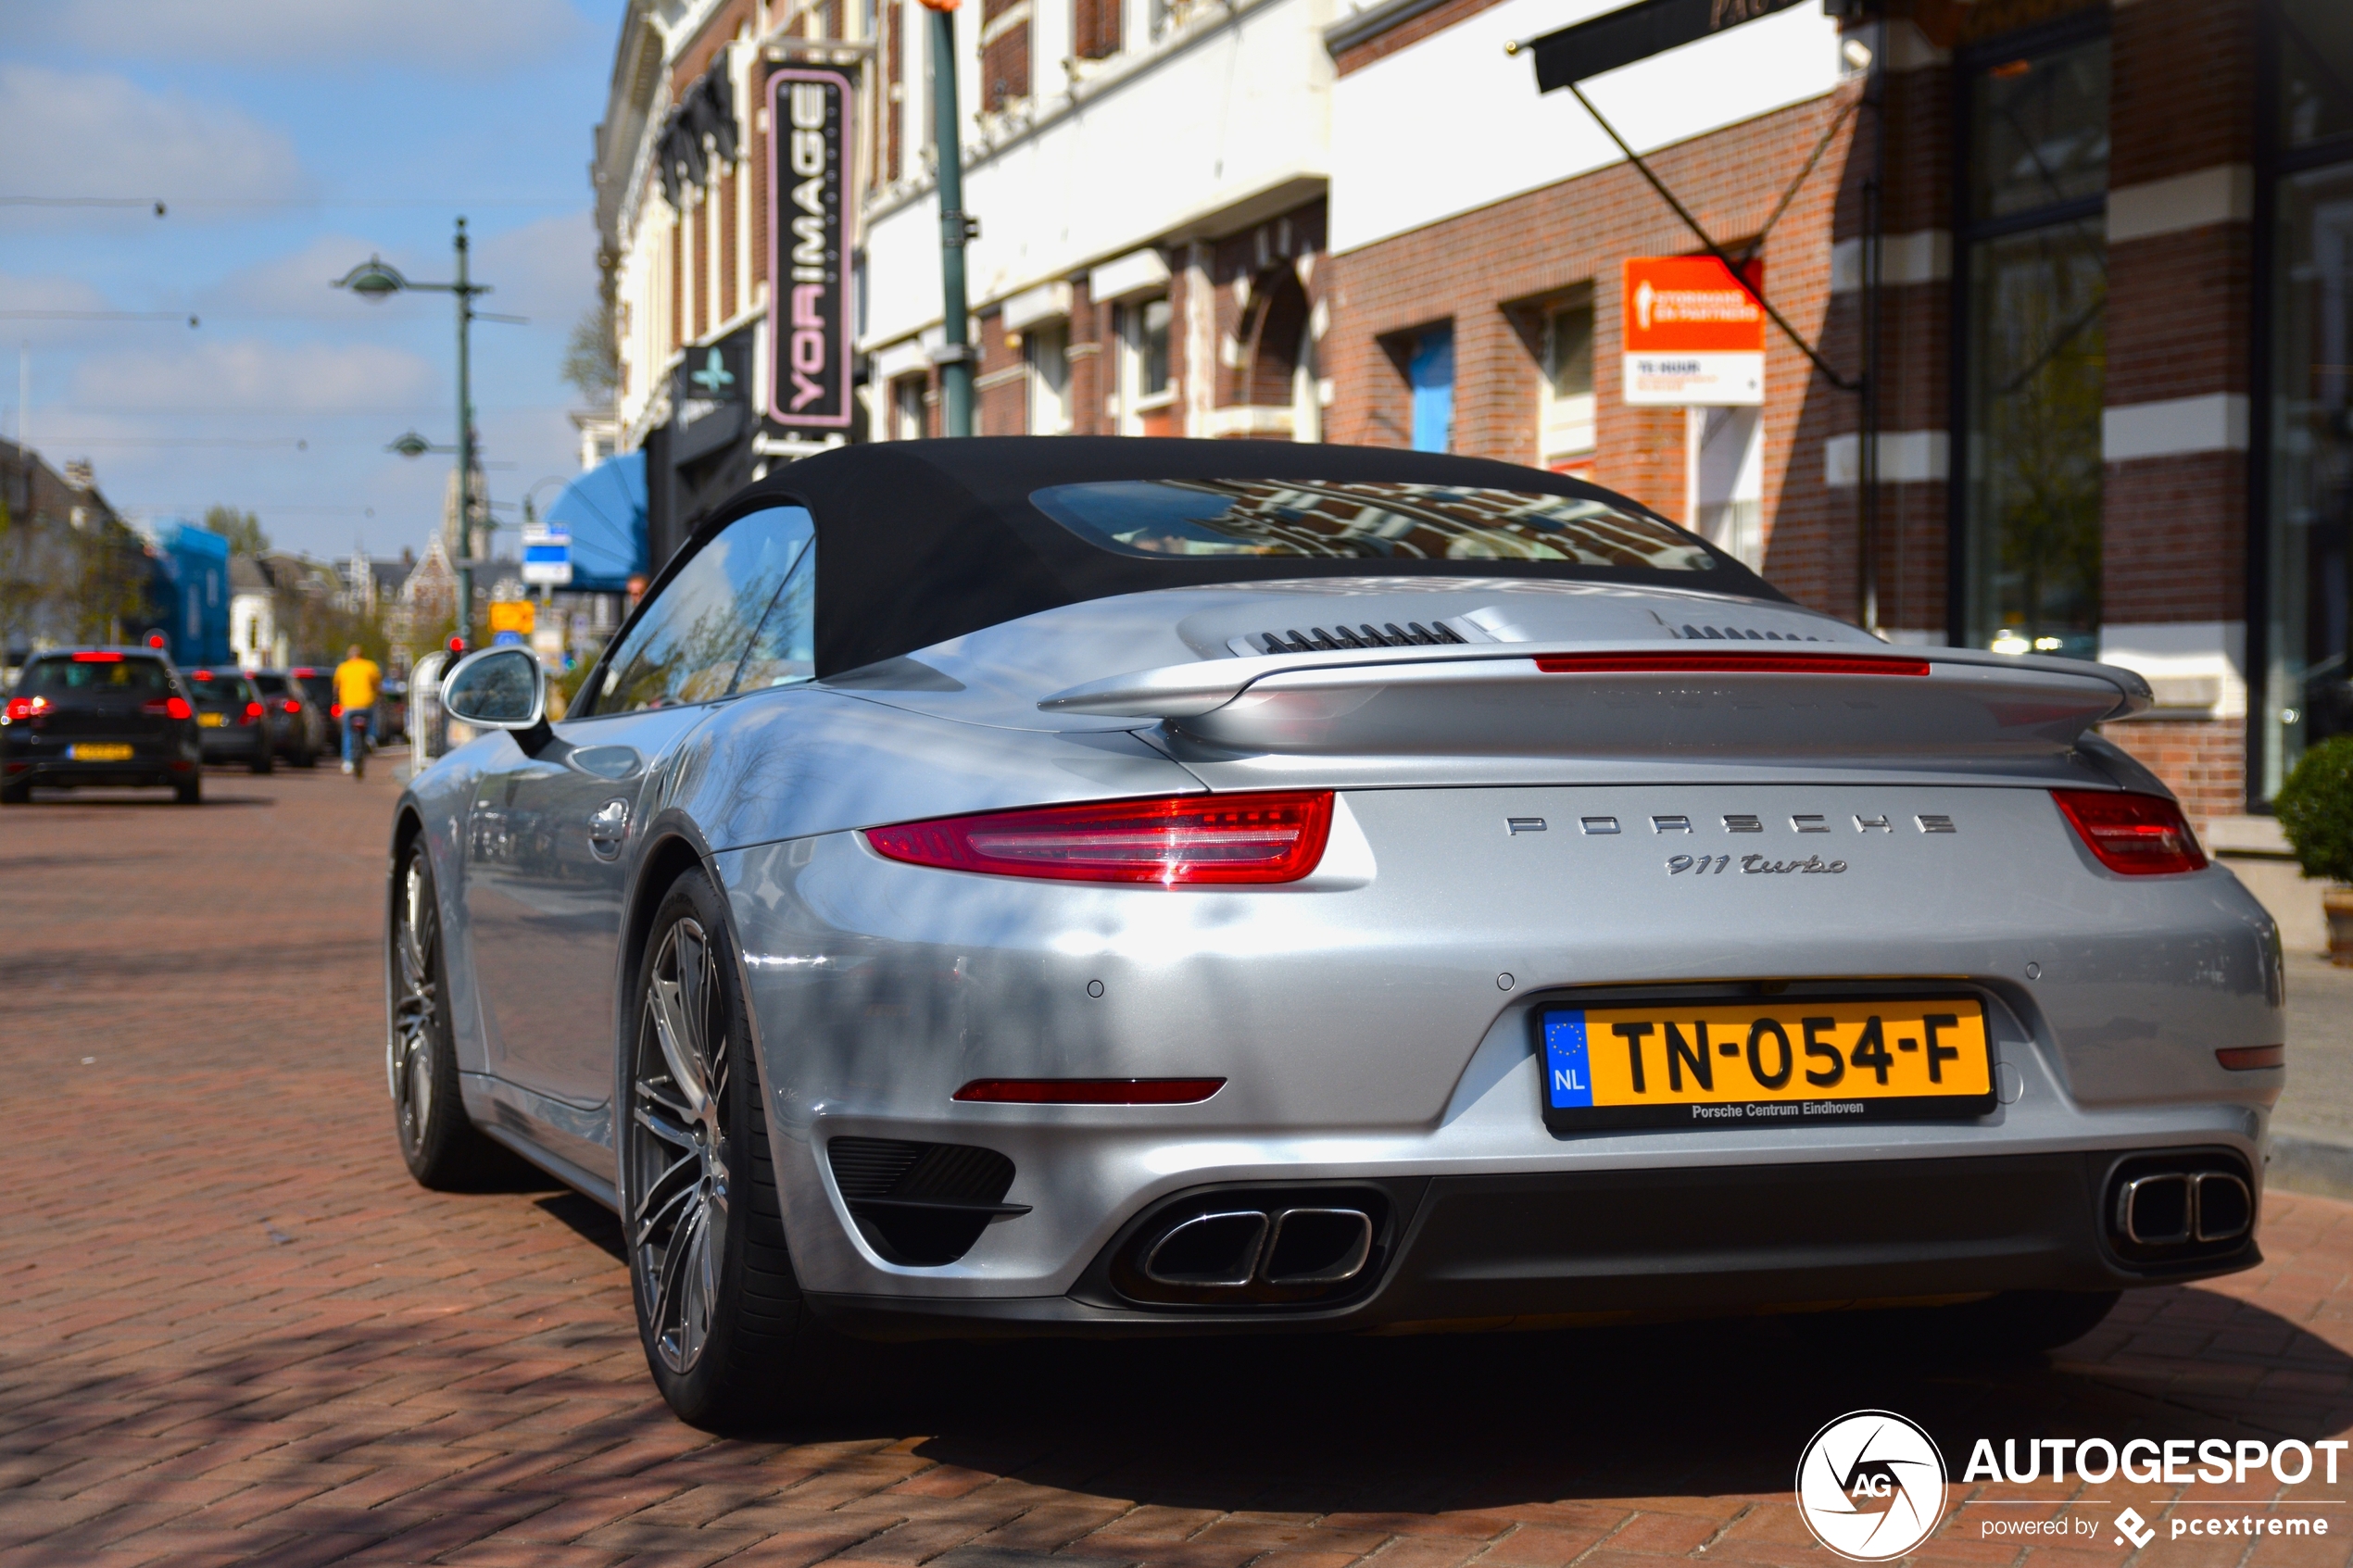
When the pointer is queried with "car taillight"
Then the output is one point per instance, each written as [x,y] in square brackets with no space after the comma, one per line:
[2137,834]
[23,707]
[334,710]
[1188,839]
[167,708]
[97,659]
[292,706]
[253,711]
[1676,662]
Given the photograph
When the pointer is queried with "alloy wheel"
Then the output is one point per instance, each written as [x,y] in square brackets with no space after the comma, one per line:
[677,1145]
[416,1009]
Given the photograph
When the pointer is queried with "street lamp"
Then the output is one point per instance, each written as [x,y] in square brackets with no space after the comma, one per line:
[376,279]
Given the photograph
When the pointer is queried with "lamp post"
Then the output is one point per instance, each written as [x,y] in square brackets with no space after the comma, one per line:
[375,279]
[954,356]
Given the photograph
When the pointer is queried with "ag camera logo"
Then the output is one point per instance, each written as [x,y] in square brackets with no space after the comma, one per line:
[1870,1485]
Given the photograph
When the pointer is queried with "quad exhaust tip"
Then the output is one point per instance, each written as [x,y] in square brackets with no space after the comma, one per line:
[1237,1249]
[2183,1207]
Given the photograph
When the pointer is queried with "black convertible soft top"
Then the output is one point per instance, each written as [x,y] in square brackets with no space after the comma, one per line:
[922,541]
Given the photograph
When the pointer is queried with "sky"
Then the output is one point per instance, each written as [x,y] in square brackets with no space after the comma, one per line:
[289,141]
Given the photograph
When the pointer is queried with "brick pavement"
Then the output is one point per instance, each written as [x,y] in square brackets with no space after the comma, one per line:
[232,1330]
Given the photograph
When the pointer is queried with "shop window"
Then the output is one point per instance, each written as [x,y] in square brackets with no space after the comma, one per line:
[1430,373]
[1046,349]
[1724,468]
[1565,398]
[2307,634]
[2034,345]
[907,408]
[1143,330]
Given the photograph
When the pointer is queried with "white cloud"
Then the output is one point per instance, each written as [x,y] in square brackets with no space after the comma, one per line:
[252,373]
[77,134]
[459,35]
[546,269]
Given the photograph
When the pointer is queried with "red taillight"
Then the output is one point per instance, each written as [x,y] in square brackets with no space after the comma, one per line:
[1191,839]
[2246,1059]
[302,671]
[1089,1091]
[97,659]
[2137,834]
[334,710]
[200,674]
[292,706]
[1677,663]
[167,708]
[253,711]
[23,707]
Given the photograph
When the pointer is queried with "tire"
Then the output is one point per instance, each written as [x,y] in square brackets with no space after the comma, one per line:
[189,794]
[16,794]
[265,762]
[306,759]
[443,1148]
[727,1337]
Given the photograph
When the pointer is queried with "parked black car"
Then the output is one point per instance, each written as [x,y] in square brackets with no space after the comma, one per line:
[298,727]
[100,716]
[231,719]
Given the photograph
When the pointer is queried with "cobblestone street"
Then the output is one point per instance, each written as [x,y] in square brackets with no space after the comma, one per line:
[232,1330]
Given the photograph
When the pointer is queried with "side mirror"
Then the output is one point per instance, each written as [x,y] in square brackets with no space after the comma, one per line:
[500,688]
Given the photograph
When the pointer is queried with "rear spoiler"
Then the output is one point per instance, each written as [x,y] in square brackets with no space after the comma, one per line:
[1851,698]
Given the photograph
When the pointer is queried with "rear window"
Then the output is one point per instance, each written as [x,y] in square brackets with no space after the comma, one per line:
[93,675]
[1366,521]
[319,688]
[216,689]
[271,685]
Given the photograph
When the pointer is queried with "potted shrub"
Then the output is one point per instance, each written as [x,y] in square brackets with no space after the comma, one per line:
[2315,807]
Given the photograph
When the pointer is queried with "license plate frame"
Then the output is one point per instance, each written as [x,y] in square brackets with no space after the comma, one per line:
[1958,1048]
[99,751]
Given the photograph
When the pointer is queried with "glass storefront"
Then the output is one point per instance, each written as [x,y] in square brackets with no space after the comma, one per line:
[2308,686]
[2036,346]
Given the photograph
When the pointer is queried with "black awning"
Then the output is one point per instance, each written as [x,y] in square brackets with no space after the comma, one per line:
[1651,27]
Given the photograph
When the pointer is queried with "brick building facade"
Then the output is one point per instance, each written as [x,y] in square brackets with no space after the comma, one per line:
[2113,289]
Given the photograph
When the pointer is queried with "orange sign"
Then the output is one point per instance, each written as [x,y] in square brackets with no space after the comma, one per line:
[1693,334]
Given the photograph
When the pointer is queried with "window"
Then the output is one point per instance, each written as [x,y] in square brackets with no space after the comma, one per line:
[2307,632]
[691,640]
[1429,372]
[907,408]
[1725,474]
[135,675]
[1143,361]
[1046,349]
[2035,347]
[1004,55]
[1366,521]
[1307,389]
[784,648]
[1565,401]
[1095,28]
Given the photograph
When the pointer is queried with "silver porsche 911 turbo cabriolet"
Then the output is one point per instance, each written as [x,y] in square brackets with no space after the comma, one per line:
[1073,885]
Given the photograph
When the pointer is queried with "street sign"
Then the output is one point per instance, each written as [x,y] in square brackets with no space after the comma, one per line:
[515,616]
[1693,335]
[547,555]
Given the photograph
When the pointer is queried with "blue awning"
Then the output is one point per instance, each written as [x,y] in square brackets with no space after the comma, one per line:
[605,510]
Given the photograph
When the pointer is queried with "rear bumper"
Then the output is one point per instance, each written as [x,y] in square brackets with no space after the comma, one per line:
[1540,1251]
[239,742]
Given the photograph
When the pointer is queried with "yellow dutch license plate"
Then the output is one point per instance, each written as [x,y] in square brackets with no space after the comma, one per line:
[211,720]
[98,751]
[1764,1063]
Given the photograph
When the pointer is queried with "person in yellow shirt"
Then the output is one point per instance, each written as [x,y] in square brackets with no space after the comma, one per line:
[358,680]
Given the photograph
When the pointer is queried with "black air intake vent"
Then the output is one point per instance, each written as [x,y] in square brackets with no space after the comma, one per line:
[922,1204]
[1317,640]
[1738,634]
